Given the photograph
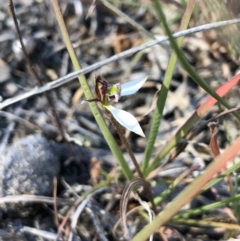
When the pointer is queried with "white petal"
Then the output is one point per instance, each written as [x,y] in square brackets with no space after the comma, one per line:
[132,87]
[126,119]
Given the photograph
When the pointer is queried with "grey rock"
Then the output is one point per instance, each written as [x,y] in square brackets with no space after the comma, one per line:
[28,167]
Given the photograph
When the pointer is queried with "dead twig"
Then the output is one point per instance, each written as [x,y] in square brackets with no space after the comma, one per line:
[40,233]
[124,201]
[33,199]
[55,201]
[65,79]
[34,72]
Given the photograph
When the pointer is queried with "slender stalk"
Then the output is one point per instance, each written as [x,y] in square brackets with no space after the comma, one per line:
[120,131]
[99,119]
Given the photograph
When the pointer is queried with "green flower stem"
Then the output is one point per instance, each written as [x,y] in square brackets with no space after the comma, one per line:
[207,223]
[208,207]
[164,91]
[106,133]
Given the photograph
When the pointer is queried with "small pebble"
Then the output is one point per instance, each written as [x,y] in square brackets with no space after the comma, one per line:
[11,88]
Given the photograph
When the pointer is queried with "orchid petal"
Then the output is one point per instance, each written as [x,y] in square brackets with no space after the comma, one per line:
[132,87]
[126,119]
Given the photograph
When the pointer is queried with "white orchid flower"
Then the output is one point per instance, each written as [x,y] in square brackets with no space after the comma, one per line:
[106,95]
